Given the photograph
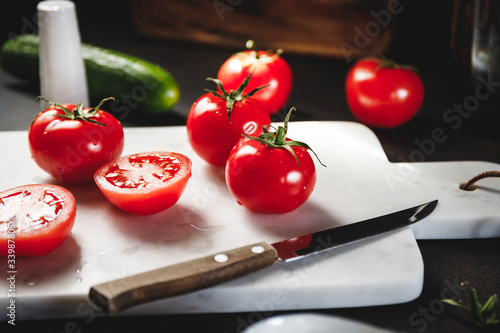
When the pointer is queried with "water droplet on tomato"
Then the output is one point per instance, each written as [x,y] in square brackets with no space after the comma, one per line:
[239,203]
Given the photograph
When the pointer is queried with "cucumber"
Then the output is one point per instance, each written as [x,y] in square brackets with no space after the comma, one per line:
[135,83]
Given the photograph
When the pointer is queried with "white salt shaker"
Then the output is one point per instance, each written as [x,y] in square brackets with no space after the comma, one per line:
[62,71]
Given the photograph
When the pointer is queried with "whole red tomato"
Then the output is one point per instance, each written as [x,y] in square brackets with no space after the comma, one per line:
[36,219]
[70,142]
[217,121]
[381,93]
[268,68]
[144,183]
[270,173]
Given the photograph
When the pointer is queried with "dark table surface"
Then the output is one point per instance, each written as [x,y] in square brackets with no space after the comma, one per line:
[318,95]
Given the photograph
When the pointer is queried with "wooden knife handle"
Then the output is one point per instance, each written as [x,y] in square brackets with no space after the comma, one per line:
[114,296]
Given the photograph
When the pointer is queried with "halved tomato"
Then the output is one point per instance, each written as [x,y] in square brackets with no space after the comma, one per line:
[35,219]
[144,183]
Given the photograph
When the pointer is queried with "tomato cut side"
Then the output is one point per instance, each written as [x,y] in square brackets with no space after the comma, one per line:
[35,219]
[144,183]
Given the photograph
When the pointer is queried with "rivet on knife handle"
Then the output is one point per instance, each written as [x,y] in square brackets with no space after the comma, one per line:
[117,295]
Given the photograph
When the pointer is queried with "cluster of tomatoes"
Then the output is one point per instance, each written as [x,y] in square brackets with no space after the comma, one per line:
[229,127]
[77,145]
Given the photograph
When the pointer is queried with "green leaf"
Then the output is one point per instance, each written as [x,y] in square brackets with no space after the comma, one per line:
[491,311]
[475,306]
[490,304]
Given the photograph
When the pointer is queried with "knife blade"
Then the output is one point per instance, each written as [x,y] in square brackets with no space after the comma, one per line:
[182,278]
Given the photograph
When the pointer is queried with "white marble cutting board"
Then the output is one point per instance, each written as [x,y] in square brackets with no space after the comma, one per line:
[358,183]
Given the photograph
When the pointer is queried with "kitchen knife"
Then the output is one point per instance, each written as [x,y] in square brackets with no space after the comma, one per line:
[117,295]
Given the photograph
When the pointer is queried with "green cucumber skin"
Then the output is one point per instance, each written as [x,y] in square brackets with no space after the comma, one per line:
[141,85]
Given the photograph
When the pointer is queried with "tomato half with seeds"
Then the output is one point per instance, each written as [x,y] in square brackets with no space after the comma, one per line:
[35,219]
[144,183]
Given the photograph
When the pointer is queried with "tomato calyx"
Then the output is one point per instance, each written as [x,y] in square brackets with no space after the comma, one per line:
[233,96]
[78,113]
[470,185]
[278,139]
